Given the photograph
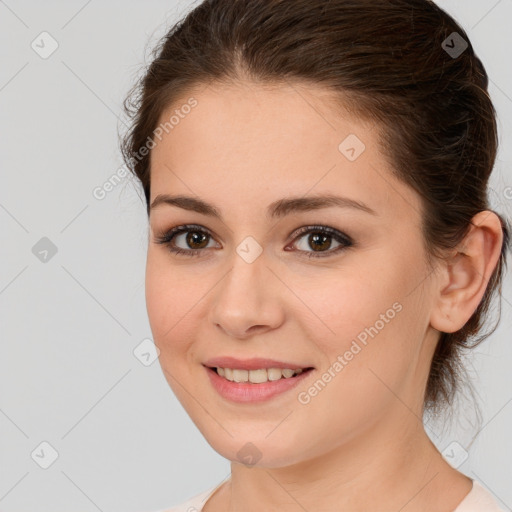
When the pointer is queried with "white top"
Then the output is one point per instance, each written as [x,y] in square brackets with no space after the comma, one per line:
[479,499]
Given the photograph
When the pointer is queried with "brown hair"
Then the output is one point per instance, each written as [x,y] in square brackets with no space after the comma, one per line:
[396,62]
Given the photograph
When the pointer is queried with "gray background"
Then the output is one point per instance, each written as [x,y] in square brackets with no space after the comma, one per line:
[69,375]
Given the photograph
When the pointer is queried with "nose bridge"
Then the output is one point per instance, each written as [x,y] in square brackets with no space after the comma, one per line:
[246,296]
[247,277]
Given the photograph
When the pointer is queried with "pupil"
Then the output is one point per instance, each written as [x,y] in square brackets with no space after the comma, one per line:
[314,239]
[194,237]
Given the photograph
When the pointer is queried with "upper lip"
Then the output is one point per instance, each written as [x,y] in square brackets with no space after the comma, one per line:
[255,363]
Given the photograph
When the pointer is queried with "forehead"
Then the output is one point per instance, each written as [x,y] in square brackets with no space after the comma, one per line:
[251,141]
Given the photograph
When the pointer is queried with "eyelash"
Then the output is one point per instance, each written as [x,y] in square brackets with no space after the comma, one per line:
[167,238]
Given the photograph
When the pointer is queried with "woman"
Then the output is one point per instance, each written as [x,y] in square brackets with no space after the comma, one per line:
[321,246]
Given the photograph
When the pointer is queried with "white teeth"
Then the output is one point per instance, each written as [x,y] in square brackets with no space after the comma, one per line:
[274,374]
[240,375]
[257,376]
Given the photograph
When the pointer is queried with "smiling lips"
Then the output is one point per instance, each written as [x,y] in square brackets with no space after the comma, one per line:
[255,370]
[254,379]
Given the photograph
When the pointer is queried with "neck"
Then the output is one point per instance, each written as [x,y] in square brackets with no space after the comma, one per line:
[394,466]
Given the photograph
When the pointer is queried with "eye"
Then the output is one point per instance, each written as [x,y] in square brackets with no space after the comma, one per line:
[196,237]
[320,238]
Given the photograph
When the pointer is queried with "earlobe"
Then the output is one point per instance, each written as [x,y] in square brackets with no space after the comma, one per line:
[468,273]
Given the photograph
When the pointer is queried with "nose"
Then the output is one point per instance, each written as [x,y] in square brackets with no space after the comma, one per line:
[248,300]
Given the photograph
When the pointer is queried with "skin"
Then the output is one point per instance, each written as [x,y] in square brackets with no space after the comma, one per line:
[359,444]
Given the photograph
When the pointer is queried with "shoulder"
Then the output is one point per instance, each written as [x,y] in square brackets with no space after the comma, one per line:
[193,504]
[479,499]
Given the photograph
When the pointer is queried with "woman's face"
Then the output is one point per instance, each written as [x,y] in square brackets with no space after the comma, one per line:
[353,303]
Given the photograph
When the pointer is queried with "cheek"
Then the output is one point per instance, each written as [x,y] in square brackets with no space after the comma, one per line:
[159,299]
[367,367]
[342,306]
[368,320]
[166,311]
[173,297]
[165,302]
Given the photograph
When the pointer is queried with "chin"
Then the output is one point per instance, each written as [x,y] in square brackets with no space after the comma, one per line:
[255,450]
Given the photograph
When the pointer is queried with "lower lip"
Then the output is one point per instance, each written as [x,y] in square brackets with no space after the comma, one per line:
[247,392]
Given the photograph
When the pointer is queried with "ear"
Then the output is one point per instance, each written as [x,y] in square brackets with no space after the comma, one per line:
[466,274]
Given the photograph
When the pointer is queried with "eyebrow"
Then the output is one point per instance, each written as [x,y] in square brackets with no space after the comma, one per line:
[277,209]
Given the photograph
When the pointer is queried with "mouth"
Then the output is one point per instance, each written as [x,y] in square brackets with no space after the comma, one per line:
[256,385]
[258,376]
